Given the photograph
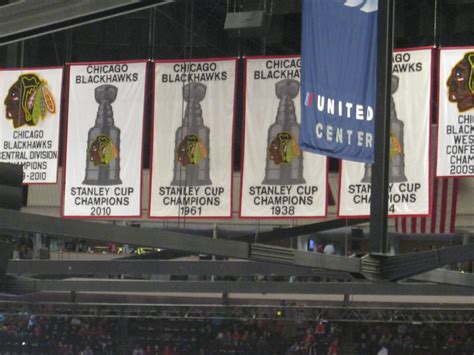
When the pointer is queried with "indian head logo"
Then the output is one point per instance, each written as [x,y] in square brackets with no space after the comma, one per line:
[102,151]
[283,149]
[365,5]
[461,83]
[191,151]
[29,100]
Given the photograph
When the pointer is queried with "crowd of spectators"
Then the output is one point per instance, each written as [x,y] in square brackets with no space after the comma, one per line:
[209,337]
[416,339]
[319,338]
[30,334]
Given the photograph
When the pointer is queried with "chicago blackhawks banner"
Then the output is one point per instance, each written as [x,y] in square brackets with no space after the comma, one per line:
[192,138]
[104,140]
[278,179]
[29,128]
[409,144]
[455,155]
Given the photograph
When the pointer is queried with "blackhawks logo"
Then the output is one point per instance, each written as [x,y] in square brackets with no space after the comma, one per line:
[395,146]
[283,149]
[28,101]
[102,151]
[191,151]
[461,83]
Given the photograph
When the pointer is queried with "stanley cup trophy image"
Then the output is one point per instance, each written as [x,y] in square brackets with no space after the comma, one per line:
[191,163]
[284,164]
[397,146]
[103,143]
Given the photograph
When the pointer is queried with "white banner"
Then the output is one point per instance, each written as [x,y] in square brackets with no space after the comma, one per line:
[409,144]
[29,128]
[455,153]
[193,139]
[104,140]
[279,180]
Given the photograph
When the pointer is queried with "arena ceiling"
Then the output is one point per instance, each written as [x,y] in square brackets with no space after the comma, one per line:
[211,23]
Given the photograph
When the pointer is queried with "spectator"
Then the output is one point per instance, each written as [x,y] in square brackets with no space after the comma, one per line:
[167,350]
[138,351]
[329,249]
[333,348]
[320,329]
[87,351]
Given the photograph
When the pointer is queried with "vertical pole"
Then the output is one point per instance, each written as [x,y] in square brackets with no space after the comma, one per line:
[380,173]
[152,33]
[346,244]
[214,236]
[37,245]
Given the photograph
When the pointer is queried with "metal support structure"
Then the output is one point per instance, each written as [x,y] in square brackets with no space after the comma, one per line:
[30,19]
[134,268]
[145,237]
[242,312]
[158,267]
[386,267]
[380,173]
[289,290]
[285,233]
[447,277]
[6,248]
[397,267]
[163,239]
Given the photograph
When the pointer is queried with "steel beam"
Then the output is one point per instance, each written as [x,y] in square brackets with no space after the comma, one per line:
[106,232]
[6,248]
[158,267]
[397,267]
[285,233]
[241,287]
[380,173]
[25,20]
[385,267]
[239,312]
[163,239]
[447,277]
[330,262]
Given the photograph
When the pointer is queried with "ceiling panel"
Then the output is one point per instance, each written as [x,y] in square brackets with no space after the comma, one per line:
[27,19]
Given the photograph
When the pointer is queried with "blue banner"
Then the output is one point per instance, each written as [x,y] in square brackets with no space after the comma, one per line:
[338,82]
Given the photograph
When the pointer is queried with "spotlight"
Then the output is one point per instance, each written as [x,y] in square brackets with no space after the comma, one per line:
[279,313]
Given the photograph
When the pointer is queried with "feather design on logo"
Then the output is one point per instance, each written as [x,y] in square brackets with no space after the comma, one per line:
[395,146]
[283,149]
[191,151]
[102,150]
[37,100]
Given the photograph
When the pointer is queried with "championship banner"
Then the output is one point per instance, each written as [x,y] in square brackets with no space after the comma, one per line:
[339,47]
[409,160]
[455,153]
[29,128]
[103,165]
[278,179]
[193,139]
